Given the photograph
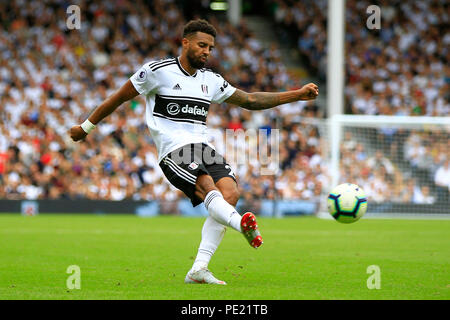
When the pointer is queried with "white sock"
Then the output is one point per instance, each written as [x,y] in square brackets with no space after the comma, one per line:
[222,211]
[212,235]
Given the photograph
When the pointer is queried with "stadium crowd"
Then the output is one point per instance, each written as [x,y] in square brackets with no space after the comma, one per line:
[414,168]
[400,69]
[51,78]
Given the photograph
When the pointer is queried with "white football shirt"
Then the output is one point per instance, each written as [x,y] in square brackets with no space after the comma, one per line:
[177,103]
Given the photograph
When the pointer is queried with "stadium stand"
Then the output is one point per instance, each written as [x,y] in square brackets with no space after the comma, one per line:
[51,78]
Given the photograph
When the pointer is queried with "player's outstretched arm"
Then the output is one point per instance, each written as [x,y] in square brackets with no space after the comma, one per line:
[266,100]
[125,93]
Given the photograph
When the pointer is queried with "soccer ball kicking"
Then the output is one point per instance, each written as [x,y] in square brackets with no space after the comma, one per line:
[178,93]
[347,203]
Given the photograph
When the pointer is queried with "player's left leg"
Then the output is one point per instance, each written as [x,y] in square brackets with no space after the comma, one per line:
[223,201]
[247,224]
[220,202]
[219,192]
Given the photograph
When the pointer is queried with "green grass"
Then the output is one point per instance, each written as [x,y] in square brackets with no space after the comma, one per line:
[128,257]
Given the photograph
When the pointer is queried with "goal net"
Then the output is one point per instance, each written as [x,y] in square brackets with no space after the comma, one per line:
[402,163]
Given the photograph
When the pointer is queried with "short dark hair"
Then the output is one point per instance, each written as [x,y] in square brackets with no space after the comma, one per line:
[199,25]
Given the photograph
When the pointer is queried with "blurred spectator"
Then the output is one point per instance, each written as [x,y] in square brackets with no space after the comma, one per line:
[379,161]
[422,196]
[442,181]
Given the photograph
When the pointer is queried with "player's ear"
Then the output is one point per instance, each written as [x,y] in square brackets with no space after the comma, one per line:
[185,43]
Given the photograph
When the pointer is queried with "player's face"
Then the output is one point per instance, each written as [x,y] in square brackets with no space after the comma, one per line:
[199,48]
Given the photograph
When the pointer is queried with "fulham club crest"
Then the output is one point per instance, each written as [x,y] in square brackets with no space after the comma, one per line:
[193,165]
[205,89]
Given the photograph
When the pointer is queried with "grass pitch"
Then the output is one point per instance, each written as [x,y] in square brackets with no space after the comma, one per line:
[128,257]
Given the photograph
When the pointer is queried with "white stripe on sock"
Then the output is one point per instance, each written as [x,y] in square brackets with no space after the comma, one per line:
[211,195]
[222,211]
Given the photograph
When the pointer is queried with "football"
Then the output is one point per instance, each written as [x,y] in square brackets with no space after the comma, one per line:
[347,203]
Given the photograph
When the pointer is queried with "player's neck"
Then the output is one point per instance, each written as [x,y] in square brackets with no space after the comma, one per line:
[186,66]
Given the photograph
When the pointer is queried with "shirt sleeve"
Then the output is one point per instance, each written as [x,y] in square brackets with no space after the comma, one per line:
[144,80]
[223,90]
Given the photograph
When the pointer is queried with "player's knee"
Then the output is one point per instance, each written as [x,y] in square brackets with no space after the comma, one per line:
[204,185]
[231,195]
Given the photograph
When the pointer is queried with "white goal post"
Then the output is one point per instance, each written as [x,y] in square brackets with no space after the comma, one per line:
[400,161]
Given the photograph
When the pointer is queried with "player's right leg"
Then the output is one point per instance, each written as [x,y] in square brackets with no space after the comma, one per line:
[193,179]
[212,235]
[222,214]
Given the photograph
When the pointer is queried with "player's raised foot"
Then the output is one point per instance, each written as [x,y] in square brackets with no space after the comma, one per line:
[202,276]
[250,230]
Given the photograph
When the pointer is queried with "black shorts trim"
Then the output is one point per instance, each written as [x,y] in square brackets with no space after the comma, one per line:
[183,174]
[180,172]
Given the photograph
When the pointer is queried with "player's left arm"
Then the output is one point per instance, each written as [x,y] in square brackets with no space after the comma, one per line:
[267,100]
